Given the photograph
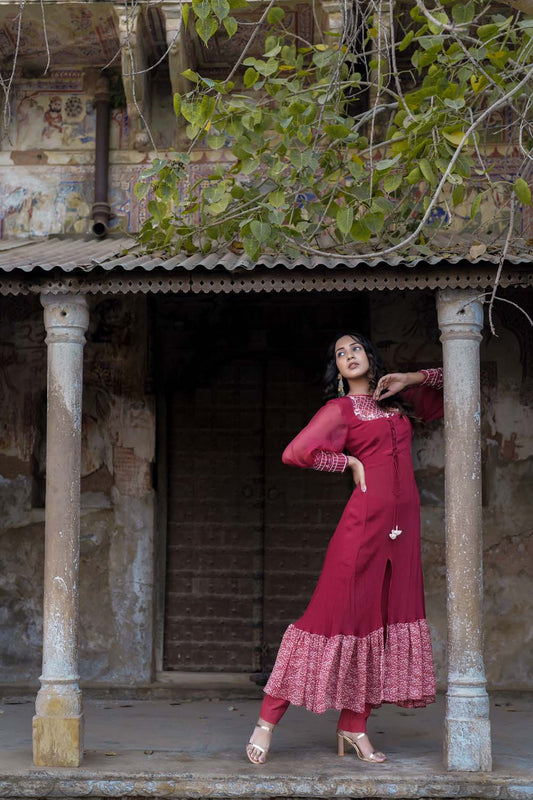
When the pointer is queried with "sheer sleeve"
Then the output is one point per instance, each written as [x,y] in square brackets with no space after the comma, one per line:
[320,444]
[432,378]
[426,398]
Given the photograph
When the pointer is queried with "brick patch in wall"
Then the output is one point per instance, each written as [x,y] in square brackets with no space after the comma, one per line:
[131,474]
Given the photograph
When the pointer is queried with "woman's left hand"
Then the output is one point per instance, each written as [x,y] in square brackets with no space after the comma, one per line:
[391,384]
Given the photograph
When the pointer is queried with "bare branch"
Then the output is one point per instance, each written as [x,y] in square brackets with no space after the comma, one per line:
[45,34]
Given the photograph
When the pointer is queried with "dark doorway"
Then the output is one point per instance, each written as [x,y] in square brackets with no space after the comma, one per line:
[246,535]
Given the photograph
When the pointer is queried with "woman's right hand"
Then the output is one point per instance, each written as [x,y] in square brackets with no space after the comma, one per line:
[358,472]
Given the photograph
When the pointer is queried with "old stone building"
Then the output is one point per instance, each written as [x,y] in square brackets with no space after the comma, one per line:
[196,545]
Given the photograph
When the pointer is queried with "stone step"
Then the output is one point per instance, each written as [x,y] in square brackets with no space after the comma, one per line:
[264,783]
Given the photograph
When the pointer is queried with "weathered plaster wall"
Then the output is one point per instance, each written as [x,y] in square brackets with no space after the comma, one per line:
[507,430]
[118,447]
[406,330]
[47,158]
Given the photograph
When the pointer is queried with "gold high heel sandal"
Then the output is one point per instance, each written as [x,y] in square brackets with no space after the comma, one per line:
[373,758]
[263,750]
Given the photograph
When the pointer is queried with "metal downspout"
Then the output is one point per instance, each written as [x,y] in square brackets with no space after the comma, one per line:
[101,208]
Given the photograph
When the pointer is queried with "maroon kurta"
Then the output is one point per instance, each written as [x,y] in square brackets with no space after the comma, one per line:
[364,637]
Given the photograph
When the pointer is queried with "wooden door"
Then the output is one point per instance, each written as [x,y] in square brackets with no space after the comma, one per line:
[302,507]
[246,534]
[215,524]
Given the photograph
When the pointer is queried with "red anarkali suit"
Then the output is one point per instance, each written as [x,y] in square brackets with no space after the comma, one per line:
[363,639]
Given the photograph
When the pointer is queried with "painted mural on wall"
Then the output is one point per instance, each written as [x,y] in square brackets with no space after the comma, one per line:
[48,119]
[58,113]
[42,201]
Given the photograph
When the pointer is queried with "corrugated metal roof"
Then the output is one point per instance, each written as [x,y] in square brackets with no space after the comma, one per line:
[122,253]
[67,254]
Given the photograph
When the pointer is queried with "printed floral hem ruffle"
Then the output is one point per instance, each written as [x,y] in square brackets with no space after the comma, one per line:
[321,672]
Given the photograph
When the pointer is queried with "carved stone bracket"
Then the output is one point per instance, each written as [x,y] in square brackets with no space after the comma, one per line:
[177,57]
[134,76]
[331,16]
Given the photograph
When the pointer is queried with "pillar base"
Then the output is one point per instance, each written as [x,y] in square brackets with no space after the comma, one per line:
[58,741]
[467,744]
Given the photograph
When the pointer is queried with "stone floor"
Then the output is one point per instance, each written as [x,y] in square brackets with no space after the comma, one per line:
[195,748]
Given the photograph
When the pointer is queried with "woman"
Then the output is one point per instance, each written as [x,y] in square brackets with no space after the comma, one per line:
[363,639]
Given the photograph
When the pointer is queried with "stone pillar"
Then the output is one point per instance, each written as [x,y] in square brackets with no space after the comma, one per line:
[58,723]
[467,743]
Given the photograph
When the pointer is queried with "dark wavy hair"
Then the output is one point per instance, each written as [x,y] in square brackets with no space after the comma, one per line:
[376,371]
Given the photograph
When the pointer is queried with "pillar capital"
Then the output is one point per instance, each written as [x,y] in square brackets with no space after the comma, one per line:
[460,314]
[66,318]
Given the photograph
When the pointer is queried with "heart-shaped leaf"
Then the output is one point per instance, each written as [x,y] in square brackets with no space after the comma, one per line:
[522,191]
[374,221]
[277,198]
[231,25]
[261,230]
[251,76]
[202,8]
[216,141]
[392,182]
[251,247]
[206,28]
[275,15]
[458,194]
[220,8]
[359,231]
[345,219]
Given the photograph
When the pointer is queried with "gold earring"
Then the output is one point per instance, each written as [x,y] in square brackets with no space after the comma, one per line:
[340,386]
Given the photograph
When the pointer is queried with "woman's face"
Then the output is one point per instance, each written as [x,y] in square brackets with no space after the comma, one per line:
[352,361]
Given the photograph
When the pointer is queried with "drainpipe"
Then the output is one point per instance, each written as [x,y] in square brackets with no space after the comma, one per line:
[101,208]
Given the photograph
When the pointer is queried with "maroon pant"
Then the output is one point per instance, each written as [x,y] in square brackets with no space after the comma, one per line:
[273,708]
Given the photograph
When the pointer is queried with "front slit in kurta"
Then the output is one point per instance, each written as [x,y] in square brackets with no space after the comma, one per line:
[364,638]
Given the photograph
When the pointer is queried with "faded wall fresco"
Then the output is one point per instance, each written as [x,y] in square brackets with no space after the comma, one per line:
[407,334]
[47,160]
[57,113]
[118,447]
[39,200]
